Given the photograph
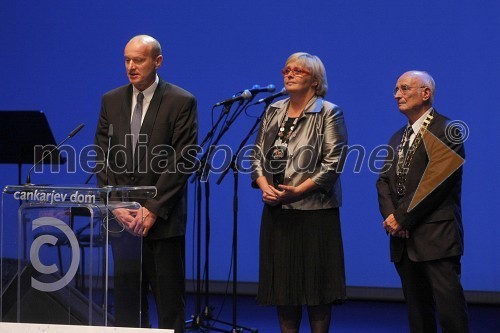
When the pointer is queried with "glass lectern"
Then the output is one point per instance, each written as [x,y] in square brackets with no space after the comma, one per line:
[55,254]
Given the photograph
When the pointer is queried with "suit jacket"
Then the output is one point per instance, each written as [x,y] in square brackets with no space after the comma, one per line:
[315,151]
[164,154]
[435,224]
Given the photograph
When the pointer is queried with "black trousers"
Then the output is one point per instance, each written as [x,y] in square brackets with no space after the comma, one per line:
[163,271]
[431,286]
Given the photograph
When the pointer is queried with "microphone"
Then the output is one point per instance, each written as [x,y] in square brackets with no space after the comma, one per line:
[268,99]
[73,132]
[110,131]
[258,89]
[70,135]
[110,134]
[246,94]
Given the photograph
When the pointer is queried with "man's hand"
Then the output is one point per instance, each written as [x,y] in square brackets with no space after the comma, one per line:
[394,228]
[148,219]
[126,217]
[138,222]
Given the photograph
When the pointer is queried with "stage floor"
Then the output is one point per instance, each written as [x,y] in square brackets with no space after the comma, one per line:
[351,317]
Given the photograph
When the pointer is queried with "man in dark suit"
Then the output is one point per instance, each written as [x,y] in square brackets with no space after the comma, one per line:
[419,195]
[154,128]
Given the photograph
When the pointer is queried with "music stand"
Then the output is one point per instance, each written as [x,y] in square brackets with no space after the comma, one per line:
[20,133]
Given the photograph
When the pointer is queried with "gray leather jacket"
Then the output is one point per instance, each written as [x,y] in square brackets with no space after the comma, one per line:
[315,150]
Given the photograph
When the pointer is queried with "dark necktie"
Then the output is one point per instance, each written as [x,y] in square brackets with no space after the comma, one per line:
[135,124]
[408,133]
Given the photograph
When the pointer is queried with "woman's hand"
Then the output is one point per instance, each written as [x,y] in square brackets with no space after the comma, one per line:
[287,193]
[268,191]
[269,196]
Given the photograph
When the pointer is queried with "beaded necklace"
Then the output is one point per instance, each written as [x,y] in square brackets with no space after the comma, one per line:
[283,137]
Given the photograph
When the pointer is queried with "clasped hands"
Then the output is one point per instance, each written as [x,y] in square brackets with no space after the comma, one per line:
[273,196]
[394,228]
[137,222]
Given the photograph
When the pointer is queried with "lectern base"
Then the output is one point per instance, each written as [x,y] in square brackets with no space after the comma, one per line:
[32,328]
[46,308]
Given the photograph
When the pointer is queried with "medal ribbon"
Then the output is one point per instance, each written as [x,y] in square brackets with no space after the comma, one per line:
[404,160]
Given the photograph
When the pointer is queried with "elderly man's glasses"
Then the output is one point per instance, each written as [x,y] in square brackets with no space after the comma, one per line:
[404,89]
[295,71]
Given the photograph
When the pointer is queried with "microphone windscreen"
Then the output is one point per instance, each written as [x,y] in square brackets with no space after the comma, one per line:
[110,130]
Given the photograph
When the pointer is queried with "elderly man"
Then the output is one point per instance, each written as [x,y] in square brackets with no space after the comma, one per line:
[420,200]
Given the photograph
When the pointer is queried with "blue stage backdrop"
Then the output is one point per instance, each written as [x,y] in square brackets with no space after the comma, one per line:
[60,57]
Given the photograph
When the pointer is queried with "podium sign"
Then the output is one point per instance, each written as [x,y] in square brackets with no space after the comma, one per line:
[56,263]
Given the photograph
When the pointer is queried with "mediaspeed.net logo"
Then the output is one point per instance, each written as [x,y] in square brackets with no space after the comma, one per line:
[443,161]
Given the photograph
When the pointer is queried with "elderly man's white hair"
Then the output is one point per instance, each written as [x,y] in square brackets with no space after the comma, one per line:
[426,80]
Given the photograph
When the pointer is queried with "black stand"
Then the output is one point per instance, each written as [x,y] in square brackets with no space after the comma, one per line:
[21,132]
[200,320]
[233,166]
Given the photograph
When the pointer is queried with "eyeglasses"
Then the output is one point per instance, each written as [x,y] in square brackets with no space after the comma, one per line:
[296,71]
[404,89]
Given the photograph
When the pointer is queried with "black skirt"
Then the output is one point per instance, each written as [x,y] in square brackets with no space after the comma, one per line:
[301,257]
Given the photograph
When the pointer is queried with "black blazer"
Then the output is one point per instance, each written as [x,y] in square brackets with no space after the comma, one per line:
[435,224]
[168,137]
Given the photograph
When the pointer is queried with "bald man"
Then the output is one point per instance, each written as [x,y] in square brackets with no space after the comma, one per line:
[154,123]
[425,224]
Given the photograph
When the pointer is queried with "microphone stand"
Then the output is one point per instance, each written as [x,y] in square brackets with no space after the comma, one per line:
[202,176]
[110,135]
[70,135]
[199,318]
[44,156]
[234,167]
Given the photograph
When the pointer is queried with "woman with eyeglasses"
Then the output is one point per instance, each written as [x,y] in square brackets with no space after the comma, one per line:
[296,163]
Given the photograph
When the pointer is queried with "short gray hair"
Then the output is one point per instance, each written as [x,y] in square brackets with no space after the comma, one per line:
[315,65]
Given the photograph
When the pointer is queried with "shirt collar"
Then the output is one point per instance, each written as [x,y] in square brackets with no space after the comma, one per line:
[149,91]
[420,121]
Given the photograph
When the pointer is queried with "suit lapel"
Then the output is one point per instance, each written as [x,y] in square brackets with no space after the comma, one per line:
[124,129]
[273,128]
